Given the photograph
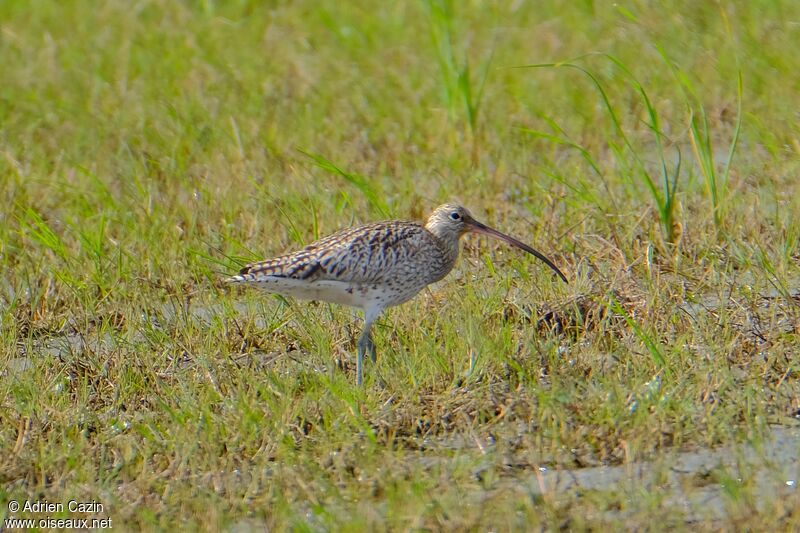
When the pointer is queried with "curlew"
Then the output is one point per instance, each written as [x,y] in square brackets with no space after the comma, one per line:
[374,266]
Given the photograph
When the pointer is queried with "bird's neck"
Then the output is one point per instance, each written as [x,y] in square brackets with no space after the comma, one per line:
[449,245]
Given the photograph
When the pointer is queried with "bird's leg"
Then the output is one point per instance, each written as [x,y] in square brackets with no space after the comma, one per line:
[360,359]
[365,345]
[370,346]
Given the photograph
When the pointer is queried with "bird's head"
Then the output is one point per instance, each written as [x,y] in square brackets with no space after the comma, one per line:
[450,221]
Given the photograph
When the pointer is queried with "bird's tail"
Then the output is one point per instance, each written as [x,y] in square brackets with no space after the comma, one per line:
[239,278]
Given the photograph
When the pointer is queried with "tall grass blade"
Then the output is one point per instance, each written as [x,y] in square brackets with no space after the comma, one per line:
[663,200]
[650,343]
[40,232]
[374,197]
[459,86]
[701,141]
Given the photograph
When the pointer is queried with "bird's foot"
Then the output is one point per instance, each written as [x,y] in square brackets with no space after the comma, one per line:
[365,346]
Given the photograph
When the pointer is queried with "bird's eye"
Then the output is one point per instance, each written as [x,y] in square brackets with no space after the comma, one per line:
[455,215]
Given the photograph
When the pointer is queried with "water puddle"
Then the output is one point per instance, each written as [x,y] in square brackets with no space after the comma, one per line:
[701,484]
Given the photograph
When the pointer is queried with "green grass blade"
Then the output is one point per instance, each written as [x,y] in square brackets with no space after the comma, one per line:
[374,197]
[650,343]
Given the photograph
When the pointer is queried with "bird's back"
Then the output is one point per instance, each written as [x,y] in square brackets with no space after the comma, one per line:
[392,252]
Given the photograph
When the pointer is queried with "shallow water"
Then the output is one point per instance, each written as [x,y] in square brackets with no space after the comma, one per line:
[693,481]
[698,484]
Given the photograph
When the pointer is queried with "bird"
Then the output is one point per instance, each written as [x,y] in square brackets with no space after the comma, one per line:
[374,266]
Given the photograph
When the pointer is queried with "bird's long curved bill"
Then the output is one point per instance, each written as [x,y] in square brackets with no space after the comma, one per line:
[477,227]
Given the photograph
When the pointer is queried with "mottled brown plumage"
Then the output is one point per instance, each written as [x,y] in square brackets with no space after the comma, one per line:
[373,266]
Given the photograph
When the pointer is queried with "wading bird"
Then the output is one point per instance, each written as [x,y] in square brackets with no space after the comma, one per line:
[374,266]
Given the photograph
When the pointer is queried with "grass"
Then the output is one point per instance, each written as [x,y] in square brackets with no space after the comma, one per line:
[145,152]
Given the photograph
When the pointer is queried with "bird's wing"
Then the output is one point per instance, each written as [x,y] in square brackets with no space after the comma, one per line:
[297,265]
[365,254]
